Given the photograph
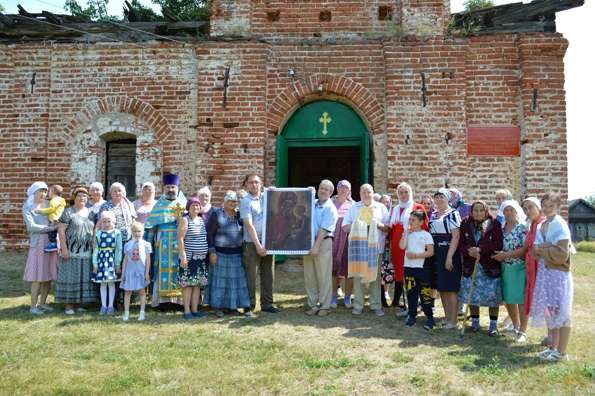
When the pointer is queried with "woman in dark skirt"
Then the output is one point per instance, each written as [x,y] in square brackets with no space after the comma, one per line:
[481,238]
[193,249]
[444,227]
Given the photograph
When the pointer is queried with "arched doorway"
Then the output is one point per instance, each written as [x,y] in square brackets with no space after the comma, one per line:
[323,140]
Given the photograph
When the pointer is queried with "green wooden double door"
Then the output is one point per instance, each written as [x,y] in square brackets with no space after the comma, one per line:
[323,140]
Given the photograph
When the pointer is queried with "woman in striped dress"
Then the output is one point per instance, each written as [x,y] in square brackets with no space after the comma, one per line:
[444,227]
[192,250]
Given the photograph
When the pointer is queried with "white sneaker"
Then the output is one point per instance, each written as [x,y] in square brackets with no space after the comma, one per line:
[36,311]
[521,337]
[141,316]
[125,317]
[356,311]
[81,309]
[401,313]
[69,311]
[45,307]
[379,312]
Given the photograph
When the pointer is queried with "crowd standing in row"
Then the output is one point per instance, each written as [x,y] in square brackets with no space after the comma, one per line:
[188,252]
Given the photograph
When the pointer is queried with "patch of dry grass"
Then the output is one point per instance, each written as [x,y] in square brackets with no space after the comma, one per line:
[287,353]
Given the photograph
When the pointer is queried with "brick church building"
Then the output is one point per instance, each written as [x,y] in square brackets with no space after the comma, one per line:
[378,91]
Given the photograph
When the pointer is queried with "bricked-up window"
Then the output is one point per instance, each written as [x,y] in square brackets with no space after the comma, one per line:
[385,13]
[325,16]
[120,164]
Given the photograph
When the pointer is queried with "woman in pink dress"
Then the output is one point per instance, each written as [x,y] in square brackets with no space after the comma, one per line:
[41,267]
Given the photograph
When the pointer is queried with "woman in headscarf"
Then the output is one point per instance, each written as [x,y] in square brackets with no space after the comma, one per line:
[41,267]
[343,202]
[456,202]
[399,222]
[512,258]
[481,238]
[446,264]
[75,229]
[501,196]
[145,203]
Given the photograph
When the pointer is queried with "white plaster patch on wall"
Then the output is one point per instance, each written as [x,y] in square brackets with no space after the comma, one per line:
[148,161]
[85,163]
[88,154]
[235,21]
[420,22]
[380,161]
[5,205]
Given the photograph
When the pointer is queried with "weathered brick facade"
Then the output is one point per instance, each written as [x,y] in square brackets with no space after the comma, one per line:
[368,54]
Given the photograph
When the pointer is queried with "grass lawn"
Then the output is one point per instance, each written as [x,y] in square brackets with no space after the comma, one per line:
[286,353]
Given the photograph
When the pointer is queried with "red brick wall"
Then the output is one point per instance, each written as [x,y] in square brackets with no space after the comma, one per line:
[328,19]
[417,135]
[543,129]
[171,97]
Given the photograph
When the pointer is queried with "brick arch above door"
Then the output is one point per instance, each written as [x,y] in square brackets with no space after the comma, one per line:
[119,104]
[144,114]
[325,86]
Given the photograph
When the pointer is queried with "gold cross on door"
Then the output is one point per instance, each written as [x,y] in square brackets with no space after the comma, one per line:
[325,120]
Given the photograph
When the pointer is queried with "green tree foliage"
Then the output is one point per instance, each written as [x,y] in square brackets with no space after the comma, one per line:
[472,5]
[143,13]
[1,8]
[187,10]
[96,10]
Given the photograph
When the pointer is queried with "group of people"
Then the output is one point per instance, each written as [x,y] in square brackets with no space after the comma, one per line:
[185,251]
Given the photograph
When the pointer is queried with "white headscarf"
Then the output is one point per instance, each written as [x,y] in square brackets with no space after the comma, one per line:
[403,217]
[533,200]
[38,185]
[520,213]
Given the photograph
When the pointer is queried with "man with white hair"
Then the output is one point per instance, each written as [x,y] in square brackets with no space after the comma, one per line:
[318,264]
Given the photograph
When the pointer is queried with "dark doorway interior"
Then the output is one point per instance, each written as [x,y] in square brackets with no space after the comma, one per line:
[309,165]
[121,165]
